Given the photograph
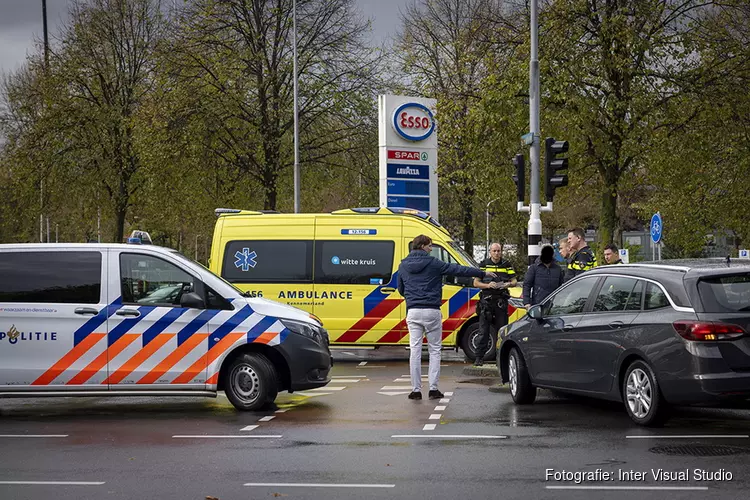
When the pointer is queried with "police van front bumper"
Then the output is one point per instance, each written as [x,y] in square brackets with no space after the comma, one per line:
[309,362]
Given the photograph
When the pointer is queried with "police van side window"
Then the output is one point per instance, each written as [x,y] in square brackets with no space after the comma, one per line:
[353,262]
[51,277]
[148,280]
[268,261]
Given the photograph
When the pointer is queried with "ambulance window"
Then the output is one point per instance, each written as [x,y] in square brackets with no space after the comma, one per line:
[51,277]
[151,281]
[268,261]
[353,262]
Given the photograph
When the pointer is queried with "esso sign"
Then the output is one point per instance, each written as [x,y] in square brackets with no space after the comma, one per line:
[413,121]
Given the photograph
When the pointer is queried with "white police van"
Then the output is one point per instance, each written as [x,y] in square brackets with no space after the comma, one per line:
[123,319]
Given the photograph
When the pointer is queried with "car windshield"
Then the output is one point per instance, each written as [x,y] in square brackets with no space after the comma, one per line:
[192,263]
[725,293]
[469,261]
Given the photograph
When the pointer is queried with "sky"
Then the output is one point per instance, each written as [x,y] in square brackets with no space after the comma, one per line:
[21,24]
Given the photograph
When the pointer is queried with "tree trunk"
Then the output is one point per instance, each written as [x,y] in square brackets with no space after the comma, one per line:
[608,220]
[467,207]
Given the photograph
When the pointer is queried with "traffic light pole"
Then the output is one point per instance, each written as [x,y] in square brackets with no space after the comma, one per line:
[535,221]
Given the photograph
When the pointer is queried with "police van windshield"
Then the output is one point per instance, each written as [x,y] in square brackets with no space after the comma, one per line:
[469,261]
[196,266]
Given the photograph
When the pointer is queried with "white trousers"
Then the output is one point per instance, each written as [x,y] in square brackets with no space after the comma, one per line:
[421,323]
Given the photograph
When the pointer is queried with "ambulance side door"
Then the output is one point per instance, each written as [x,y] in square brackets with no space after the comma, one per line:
[154,341]
[355,280]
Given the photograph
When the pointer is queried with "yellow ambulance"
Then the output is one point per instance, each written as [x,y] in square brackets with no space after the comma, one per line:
[342,267]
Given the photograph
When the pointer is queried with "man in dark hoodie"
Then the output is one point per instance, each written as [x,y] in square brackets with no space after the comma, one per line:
[542,278]
[420,283]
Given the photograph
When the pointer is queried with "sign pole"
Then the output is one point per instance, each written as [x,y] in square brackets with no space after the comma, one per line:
[535,220]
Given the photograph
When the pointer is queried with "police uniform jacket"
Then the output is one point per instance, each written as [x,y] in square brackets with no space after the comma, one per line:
[583,260]
[505,273]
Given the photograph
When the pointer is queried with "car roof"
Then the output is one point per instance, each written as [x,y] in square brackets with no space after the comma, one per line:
[81,246]
[688,268]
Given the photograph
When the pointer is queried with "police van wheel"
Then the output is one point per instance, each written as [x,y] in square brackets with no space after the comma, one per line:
[470,340]
[251,382]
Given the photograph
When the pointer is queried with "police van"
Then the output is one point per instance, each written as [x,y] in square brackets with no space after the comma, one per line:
[342,267]
[135,320]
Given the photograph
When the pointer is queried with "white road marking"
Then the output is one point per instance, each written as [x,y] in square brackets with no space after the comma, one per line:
[57,483]
[327,388]
[696,436]
[429,427]
[395,388]
[424,377]
[636,488]
[435,416]
[33,435]
[448,436]
[347,380]
[448,394]
[371,366]
[439,408]
[363,363]
[392,393]
[249,427]
[283,410]
[445,400]
[227,436]
[349,376]
[266,419]
[311,394]
[321,485]
[402,380]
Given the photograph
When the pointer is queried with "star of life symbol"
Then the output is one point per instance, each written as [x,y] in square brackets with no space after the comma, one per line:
[245,259]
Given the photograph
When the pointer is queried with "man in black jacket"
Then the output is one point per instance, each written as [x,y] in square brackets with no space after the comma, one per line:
[420,282]
[542,278]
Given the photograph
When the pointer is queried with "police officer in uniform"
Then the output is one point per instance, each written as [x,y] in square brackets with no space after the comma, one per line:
[492,308]
[582,258]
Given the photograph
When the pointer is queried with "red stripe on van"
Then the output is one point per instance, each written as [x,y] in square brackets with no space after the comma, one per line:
[372,318]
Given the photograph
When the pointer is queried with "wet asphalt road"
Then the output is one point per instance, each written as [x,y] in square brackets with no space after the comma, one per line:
[351,441]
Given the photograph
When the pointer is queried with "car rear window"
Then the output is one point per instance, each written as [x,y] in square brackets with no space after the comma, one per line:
[725,293]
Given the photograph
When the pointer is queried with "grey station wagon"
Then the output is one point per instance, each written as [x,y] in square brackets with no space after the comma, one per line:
[651,335]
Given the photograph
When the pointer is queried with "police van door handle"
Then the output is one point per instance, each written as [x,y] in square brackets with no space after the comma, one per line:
[387,289]
[128,312]
[86,310]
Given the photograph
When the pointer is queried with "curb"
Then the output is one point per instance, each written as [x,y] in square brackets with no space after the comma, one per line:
[481,371]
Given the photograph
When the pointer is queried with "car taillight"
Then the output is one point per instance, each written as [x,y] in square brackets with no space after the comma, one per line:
[708,330]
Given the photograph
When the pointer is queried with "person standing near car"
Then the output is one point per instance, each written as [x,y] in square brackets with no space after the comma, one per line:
[420,283]
[492,308]
[582,258]
[542,278]
[612,254]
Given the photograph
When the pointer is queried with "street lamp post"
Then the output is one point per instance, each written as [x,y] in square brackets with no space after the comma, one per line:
[296,112]
[487,219]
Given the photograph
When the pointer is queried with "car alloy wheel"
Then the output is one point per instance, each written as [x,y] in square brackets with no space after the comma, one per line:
[639,394]
[513,375]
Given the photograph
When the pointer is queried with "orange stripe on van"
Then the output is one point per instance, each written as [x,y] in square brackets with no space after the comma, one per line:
[214,379]
[265,337]
[71,357]
[168,363]
[395,335]
[138,359]
[101,360]
[372,318]
[205,360]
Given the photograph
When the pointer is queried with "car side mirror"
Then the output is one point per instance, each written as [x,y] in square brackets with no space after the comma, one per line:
[192,301]
[535,312]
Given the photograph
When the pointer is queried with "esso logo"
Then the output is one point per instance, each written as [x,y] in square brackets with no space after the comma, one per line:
[413,121]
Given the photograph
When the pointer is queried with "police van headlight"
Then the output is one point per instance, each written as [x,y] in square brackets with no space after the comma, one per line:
[306,329]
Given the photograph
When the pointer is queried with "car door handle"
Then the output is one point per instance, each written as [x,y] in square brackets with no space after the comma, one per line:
[86,310]
[616,324]
[128,312]
[387,289]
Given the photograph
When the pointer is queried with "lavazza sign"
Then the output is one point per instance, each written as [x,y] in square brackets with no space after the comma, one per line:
[408,153]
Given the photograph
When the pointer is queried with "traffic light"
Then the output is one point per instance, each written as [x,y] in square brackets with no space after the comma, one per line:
[553,177]
[520,177]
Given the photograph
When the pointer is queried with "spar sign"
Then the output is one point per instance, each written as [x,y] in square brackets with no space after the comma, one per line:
[407,141]
[413,121]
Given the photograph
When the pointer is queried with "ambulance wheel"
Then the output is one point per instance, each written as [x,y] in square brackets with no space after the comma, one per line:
[251,382]
[470,340]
